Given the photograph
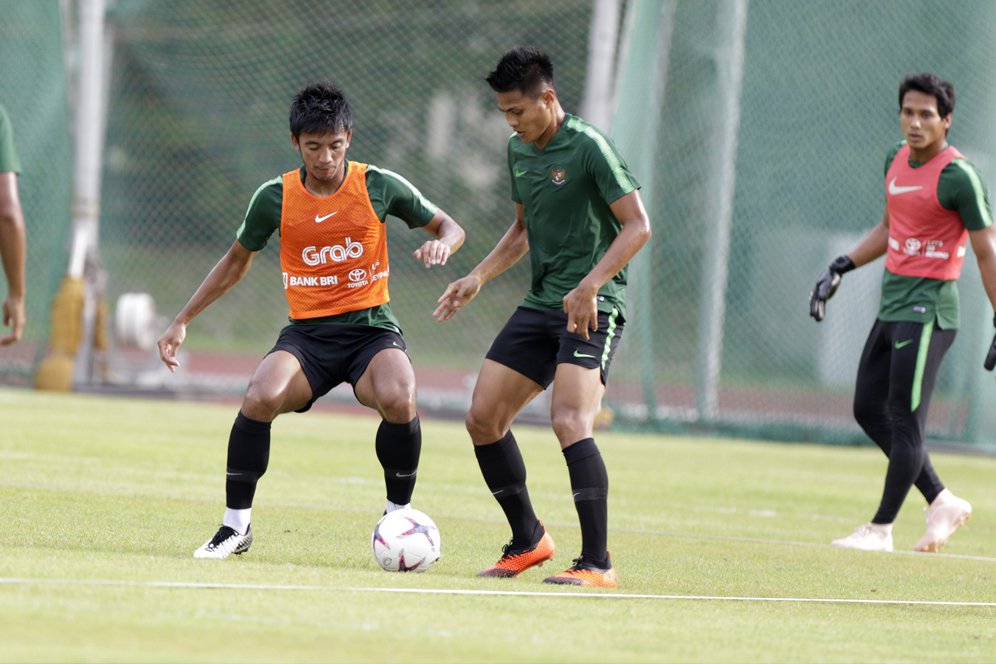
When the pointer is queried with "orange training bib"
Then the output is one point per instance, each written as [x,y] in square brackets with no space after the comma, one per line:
[333,250]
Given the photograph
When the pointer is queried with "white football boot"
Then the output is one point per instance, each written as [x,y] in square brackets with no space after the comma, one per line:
[945,515]
[225,542]
[869,537]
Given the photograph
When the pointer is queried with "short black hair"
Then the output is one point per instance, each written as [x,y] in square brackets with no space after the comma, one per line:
[320,108]
[930,84]
[524,68]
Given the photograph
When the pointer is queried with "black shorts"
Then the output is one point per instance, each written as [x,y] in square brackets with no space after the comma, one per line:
[534,341]
[334,354]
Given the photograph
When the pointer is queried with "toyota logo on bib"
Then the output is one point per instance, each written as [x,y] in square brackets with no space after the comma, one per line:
[357,274]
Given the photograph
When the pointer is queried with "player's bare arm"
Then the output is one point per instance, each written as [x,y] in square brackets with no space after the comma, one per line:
[874,244]
[580,303]
[228,272]
[12,252]
[448,237]
[510,249]
[984,247]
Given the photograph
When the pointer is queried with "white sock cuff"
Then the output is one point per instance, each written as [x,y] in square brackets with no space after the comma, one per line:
[237,520]
[394,506]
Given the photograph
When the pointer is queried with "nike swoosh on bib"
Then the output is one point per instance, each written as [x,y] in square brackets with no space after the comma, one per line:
[319,220]
[896,191]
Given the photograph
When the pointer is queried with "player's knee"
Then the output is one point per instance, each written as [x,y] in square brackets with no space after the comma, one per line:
[571,425]
[471,423]
[260,404]
[482,429]
[398,405]
[867,413]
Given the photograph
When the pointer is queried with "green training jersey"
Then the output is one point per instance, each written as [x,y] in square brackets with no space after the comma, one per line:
[390,194]
[920,299]
[9,163]
[566,189]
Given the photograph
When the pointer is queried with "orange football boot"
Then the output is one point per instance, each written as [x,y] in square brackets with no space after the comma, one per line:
[586,574]
[515,561]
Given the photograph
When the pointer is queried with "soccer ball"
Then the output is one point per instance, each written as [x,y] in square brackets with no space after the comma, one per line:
[405,540]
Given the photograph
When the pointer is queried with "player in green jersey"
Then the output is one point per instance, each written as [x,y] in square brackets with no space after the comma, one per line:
[12,236]
[579,215]
[935,202]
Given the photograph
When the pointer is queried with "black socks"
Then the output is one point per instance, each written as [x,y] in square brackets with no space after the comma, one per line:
[248,456]
[590,486]
[398,449]
[505,474]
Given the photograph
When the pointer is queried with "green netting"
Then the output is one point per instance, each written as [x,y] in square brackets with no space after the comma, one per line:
[197,120]
[33,90]
[818,113]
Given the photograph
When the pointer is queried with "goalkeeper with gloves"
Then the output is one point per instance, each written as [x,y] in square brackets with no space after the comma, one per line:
[935,204]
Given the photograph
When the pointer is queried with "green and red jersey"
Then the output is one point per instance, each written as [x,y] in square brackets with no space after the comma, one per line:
[927,236]
[566,189]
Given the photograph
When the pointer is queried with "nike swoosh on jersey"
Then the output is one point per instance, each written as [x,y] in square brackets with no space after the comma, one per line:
[895,190]
[319,220]
[903,344]
[519,173]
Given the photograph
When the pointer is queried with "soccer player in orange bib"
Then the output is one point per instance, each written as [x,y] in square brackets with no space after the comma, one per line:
[330,214]
[935,203]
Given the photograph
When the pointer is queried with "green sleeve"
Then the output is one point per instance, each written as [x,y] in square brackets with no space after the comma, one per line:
[516,197]
[607,167]
[891,156]
[9,162]
[960,188]
[263,216]
[392,194]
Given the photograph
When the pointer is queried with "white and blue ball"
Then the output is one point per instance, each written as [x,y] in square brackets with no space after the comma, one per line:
[405,540]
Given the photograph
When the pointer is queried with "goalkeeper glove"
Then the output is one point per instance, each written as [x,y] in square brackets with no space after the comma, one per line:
[991,355]
[826,286]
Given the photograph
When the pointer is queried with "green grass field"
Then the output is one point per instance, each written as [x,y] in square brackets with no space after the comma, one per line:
[725,543]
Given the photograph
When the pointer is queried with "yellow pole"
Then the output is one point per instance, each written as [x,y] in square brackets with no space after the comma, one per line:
[55,372]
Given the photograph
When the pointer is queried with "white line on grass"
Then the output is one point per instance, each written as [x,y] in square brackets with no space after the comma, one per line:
[461,591]
[812,545]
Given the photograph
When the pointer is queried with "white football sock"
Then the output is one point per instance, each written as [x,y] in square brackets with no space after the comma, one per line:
[884,528]
[394,506]
[237,520]
[943,497]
